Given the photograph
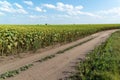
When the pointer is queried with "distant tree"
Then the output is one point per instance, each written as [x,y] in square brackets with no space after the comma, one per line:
[46,24]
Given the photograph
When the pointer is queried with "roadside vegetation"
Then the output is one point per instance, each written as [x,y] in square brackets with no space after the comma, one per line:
[103,63]
[13,73]
[15,39]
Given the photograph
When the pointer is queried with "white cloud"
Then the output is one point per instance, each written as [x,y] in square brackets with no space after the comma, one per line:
[39,9]
[30,3]
[49,6]
[22,11]
[69,9]
[62,16]
[37,16]
[64,7]
[18,5]
[113,11]
[1,13]
[79,7]
[8,7]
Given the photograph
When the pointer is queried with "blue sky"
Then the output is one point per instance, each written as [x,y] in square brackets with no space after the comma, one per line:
[59,11]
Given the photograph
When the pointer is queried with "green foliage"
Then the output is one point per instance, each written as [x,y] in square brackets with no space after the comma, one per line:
[15,39]
[103,63]
[14,72]
[24,68]
[46,58]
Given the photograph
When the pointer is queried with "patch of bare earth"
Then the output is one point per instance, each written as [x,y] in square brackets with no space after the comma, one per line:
[58,67]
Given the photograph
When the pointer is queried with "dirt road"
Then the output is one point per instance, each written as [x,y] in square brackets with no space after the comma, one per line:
[57,67]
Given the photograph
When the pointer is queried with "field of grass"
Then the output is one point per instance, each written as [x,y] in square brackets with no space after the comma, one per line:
[15,39]
[103,63]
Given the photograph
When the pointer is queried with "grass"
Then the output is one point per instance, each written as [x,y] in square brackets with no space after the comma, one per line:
[14,72]
[26,67]
[103,63]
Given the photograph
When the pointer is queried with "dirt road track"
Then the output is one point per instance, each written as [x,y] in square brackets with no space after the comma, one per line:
[55,68]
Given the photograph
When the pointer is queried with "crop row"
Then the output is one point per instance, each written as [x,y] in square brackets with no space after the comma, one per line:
[15,39]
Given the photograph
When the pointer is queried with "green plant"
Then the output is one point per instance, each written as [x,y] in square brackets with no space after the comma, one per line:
[103,63]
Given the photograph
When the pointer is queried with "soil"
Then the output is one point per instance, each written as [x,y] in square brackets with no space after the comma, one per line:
[59,67]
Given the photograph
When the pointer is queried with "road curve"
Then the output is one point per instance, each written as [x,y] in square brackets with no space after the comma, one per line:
[56,68]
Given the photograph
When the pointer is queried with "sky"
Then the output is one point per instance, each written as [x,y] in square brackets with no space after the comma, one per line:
[59,11]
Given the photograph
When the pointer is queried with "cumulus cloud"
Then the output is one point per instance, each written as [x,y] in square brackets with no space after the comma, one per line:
[61,16]
[18,5]
[113,11]
[69,9]
[8,7]
[39,9]
[37,16]
[30,3]
[49,6]
[1,13]
[22,11]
